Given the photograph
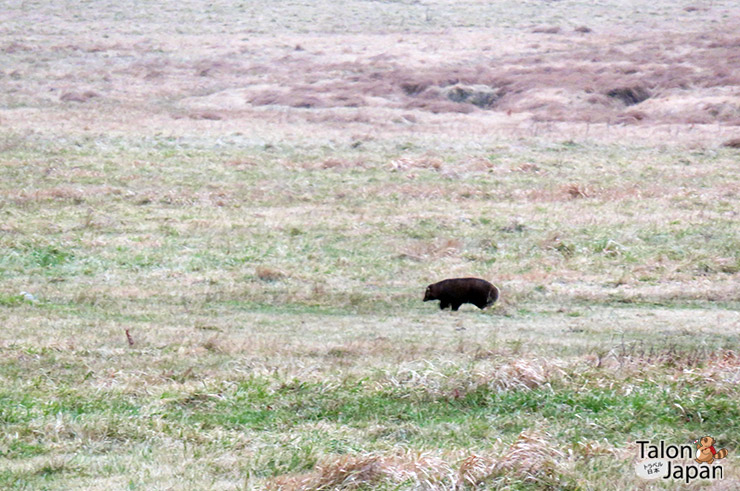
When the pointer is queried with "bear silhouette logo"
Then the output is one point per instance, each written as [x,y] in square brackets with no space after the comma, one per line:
[706,453]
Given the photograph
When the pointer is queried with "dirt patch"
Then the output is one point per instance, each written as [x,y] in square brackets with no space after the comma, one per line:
[78,96]
[268,274]
[481,96]
[546,30]
[209,115]
[630,95]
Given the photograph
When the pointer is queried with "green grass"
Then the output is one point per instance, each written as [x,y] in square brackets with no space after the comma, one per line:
[277,321]
[463,408]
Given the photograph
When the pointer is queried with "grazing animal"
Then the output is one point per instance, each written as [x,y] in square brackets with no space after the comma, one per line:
[457,291]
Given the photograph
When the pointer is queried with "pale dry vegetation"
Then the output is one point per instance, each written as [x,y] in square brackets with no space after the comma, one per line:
[217,220]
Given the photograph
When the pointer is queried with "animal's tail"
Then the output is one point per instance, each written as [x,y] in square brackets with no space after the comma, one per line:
[721,454]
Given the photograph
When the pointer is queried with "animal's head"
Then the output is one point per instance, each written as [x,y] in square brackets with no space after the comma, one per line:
[705,442]
[429,295]
[493,295]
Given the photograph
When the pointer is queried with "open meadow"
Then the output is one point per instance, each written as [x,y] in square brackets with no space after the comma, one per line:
[218,219]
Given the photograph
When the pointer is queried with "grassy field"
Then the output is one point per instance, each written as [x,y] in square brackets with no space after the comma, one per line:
[217,223]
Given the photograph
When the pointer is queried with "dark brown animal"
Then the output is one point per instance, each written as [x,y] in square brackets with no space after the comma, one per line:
[457,291]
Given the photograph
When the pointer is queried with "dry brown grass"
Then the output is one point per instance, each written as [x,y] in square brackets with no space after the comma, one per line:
[495,371]
[552,73]
[348,472]
[592,83]
[405,164]
[435,249]
[532,459]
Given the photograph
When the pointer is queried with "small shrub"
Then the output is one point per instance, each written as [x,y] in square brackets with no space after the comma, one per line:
[49,256]
[268,274]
